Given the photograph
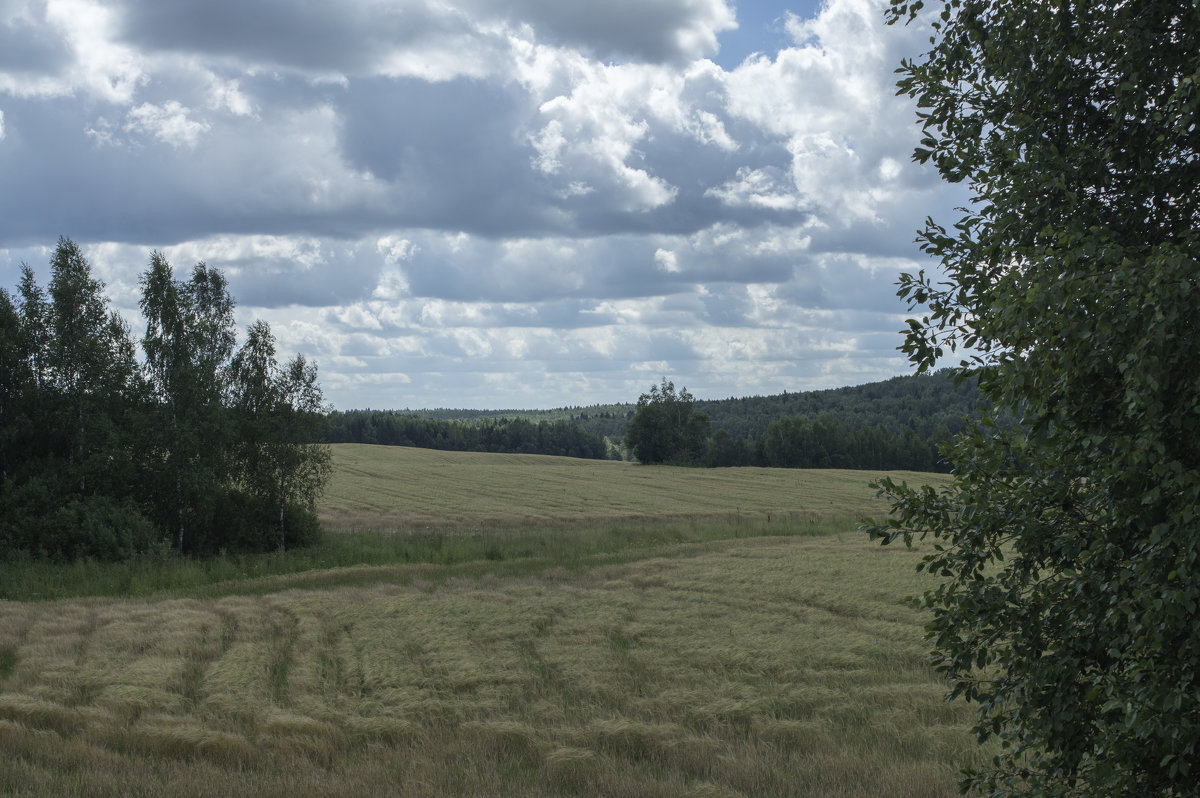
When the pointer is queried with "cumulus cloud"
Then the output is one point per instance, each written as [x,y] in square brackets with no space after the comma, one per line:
[168,123]
[458,202]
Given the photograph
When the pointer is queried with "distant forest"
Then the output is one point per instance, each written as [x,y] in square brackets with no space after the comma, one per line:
[507,435]
[894,424]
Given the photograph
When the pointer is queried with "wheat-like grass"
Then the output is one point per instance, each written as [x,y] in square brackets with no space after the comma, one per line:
[764,667]
[395,487]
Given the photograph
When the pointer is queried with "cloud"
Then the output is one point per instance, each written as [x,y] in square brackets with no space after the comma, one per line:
[168,123]
[464,202]
[28,46]
[358,37]
[353,37]
[648,31]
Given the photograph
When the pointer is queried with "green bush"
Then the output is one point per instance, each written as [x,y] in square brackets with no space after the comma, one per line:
[39,524]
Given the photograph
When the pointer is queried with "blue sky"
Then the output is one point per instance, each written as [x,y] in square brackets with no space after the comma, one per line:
[760,29]
[469,204]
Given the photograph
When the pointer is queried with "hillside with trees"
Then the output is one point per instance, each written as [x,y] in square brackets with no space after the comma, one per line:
[200,446]
[898,423]
[500,435]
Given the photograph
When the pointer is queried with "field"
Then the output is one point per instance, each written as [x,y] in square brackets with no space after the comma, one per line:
[390,487]
[706,651]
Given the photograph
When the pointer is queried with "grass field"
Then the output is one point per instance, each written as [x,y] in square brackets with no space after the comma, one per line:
[390,487]
[711,659]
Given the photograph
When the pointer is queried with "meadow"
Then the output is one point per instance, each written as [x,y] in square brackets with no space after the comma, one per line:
[516,626]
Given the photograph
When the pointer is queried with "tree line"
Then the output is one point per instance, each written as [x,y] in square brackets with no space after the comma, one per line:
[501,435]
[900,423]
[922,403]
[199,445]
[669,426]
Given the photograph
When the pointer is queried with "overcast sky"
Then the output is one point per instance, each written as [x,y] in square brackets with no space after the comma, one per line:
[466,203]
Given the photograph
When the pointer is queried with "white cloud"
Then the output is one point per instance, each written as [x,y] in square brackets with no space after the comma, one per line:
[357,317]
[306,252]
[227,95]
[667,261]
[756,188]
[395,248]
[168,123]
[104,68]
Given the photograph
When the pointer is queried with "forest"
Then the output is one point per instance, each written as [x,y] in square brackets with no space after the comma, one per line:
[897,423]
[501,435]
[197,446]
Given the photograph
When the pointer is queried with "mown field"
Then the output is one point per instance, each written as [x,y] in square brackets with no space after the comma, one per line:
[703,652]
[390,487]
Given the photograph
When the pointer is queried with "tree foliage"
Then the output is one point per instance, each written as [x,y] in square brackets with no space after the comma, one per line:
[1069,542]
[188,342]
[278,412]
[105,456]
[898,423]
[666,428]
[507,435]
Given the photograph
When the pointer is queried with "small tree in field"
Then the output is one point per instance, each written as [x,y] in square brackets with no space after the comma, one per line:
[666,427]
[1068,546]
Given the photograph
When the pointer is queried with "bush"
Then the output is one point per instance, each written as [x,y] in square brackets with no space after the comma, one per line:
[241,522]
[98,527]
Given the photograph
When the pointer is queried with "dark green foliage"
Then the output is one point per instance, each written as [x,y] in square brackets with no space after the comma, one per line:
[922,403]
[824,442]
[103,457]
[70,393]
[277,414]
[44,520]
[242,522]
[666,427]
[502,435]
[189,340]
[899,423]
[15,380]
[1068,544]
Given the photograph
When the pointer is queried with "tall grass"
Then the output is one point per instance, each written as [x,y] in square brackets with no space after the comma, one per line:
[339,558]
[449,508]
[753,667]
[749,643]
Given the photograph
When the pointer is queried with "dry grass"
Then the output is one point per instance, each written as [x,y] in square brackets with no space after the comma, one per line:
[694,661]
[769,667]
[392,487]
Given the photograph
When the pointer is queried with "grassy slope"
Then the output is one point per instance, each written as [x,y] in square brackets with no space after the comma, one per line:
[395,487]
[772,666]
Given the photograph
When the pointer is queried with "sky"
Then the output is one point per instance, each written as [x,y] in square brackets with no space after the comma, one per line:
[465,203]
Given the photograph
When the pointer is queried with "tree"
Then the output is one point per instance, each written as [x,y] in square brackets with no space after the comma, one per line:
[254,396]
[188,344]
[301,466]
[92,372]
[93,444]
[15,380]
[278,412]
[666,427]
[71,391]
[1068,544]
